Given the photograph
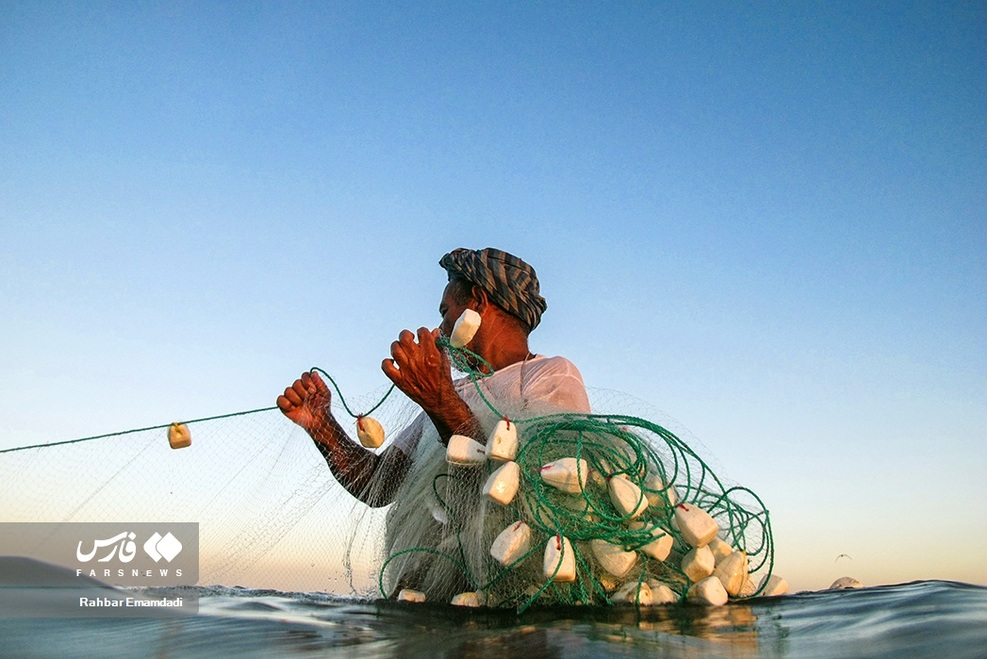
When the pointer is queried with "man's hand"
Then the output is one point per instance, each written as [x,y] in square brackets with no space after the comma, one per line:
[421,370]
[306,401]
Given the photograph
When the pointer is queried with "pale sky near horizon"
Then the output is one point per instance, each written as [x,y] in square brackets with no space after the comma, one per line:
[768,221]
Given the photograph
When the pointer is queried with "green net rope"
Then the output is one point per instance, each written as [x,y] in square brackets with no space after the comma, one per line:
[667,473]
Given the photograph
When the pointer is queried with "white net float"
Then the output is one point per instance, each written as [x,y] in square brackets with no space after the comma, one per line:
[502,484]
[409,595]
[511,544]
[720,549]
[696,525]
[465,451]
[708,591]
[773,585]
[626,497]
[615,560]
[560,561]
[732,572]
[633,593]
[465,328]
[698,563]
[566,474]
[502,443]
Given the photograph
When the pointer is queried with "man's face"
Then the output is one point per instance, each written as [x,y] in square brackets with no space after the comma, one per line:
[450,310]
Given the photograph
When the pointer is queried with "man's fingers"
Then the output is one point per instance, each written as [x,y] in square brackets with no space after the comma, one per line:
[300,390]
[401,350]
[307,386]
[295,394]
[391,370]
[317,382]
[426,338]
[305,400]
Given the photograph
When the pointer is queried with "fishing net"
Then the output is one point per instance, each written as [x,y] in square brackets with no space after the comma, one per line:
[589,509]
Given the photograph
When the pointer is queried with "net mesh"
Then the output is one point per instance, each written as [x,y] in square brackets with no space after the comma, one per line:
[271,515]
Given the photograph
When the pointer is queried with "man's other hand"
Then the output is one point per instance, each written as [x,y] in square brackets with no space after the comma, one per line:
[420,369]
[306,401]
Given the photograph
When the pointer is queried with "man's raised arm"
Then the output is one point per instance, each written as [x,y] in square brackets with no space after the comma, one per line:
[371,478]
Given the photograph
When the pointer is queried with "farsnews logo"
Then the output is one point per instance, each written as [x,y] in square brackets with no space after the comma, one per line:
[120,553]
[167,547]
[122,547]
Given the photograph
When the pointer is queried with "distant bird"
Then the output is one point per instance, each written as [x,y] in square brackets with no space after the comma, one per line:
[843,556]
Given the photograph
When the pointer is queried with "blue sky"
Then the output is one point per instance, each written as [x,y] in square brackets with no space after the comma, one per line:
[767,221]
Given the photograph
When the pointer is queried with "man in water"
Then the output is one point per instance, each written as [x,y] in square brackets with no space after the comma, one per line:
[504,291]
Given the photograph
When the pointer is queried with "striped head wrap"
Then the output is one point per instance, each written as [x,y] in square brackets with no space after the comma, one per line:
[510,282]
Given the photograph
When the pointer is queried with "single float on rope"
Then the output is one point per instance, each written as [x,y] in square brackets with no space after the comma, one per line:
[369,431]
[179,436]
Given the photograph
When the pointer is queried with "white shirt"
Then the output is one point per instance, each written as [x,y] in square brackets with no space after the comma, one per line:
[533,387]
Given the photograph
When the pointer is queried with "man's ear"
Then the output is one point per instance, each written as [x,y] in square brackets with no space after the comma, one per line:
[480,300]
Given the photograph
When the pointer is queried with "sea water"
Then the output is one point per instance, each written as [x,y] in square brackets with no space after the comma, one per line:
[926,618]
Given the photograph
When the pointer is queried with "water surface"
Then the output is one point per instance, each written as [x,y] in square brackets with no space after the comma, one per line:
[928,618]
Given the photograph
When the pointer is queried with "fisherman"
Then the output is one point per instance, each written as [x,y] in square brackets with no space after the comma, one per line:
[504,291]
[440,532]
